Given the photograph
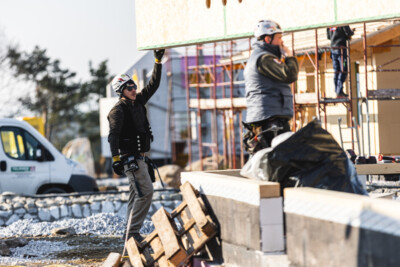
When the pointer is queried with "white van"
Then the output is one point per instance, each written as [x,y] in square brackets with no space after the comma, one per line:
[30,164]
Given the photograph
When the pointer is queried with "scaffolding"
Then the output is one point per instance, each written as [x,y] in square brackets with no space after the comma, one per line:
[216,94]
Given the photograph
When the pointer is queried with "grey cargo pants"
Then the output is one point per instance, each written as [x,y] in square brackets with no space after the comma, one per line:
[139,205]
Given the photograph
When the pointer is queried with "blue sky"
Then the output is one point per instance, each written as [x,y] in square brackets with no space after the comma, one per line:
[74,31]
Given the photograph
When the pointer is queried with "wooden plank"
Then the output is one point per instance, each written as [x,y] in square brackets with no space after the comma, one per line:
[229,184]
[190,234]
[220,103]
[178,209]
[306,98]
[377,38]
[113,260]
[159,253]
[174,252]
[386,168]
[188,194]
[384,94]
[133,252]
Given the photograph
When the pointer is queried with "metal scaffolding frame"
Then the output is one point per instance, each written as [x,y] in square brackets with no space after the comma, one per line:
[222,77]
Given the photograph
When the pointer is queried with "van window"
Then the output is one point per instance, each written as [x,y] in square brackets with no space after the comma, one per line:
[18,143]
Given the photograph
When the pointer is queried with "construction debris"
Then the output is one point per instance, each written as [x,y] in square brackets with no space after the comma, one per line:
[177,235]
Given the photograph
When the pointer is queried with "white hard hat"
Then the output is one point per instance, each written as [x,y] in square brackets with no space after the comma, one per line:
[119,81]
[267,27]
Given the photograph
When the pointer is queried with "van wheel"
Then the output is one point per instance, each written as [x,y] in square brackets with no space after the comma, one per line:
[53,190]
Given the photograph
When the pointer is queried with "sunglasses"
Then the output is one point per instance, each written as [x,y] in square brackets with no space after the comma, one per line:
[130,87]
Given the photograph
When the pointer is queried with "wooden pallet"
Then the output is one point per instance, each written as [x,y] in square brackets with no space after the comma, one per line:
[177,236]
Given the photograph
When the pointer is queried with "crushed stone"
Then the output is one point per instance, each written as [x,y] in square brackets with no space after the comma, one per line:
[107,224]
[35,250]
[101,224]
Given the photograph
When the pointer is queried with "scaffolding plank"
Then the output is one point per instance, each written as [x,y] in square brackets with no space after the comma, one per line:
[220,103]
[384,94]
[306,98]
[386,168]
[174,252]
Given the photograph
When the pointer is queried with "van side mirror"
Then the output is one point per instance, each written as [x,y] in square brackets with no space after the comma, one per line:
[40,153]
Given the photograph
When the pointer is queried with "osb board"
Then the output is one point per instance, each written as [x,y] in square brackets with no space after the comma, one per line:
[166,24]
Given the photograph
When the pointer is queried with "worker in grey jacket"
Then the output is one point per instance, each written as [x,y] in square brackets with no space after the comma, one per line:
[268,74]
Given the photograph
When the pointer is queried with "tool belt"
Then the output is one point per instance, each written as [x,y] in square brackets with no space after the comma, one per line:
[259,135]
[133,165]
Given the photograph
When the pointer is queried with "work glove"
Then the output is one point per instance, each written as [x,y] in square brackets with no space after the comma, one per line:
[117,165]
[158,54]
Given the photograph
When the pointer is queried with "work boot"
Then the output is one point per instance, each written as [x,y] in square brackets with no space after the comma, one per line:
[342,95]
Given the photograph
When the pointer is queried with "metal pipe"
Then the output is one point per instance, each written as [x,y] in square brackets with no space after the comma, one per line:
[359,105]
[231,113]
[189,126]
[214,114]
[199,137]
[340,131]
[317,77]
[293,92]
[357,135]
[365,59]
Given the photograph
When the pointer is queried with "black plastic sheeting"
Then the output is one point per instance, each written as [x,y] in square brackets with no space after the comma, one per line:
[316,159]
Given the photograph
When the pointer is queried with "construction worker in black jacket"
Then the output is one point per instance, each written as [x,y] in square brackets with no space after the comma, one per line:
[339,37]
[130,137]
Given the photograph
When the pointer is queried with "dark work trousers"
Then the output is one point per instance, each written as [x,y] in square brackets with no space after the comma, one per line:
[339,61]
[139,205]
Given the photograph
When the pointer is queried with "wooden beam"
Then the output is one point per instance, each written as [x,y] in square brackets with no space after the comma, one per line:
[174,252]
[196,210]
[376,38]
[386,168]
[113,260]
[133,252]
[306,98]
[221,103]
[231,184]
[384,94]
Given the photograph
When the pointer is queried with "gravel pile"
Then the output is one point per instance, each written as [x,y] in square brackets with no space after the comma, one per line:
[102,224]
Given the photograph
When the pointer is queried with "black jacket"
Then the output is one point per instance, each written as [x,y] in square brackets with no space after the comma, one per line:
[129,128]
[339,36]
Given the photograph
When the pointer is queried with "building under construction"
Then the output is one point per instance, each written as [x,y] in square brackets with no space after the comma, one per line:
[265,223]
